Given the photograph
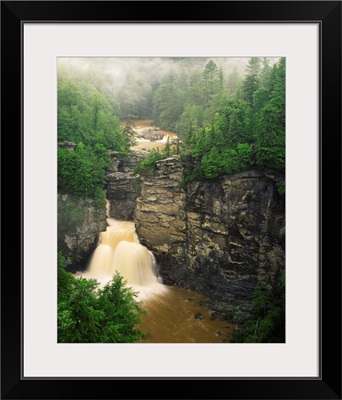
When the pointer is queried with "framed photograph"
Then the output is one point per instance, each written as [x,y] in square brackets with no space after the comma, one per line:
[185,153]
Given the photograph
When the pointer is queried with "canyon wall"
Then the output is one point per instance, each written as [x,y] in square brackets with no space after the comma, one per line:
[221,237]
[123,186]
[79,225]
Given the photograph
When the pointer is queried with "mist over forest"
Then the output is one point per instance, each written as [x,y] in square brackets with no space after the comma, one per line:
[206,196]
[229,113]
[132,81]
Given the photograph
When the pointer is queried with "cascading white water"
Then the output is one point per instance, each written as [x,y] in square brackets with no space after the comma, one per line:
[119,250]
[170,310]
[167,137]
[135,263]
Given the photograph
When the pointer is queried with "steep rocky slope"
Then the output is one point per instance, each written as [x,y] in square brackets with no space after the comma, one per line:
[219,238]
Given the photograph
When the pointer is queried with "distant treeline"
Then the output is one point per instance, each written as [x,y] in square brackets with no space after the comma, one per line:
[225,123]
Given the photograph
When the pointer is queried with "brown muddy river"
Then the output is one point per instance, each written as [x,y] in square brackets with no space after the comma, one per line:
[173,314]
[171,310]
[171,319]
[143,130]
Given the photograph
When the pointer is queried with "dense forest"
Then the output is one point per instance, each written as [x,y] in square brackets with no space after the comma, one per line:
[87,314]
[229,115]
[225,123]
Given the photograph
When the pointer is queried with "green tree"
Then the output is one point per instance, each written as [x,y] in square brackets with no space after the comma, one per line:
[201,143]
[212,164]
[267,323]
[265,74]
[87,314]
[270,140]
[128,130]
[260,98]
[251,82]
[167,149]
[209,81]
[100,162]
[83,179]
[233,81]
[149,163]
[245,158]
[70,215]
[83,171]
[122,313]
[87,113]
[79,320]
[71,105]
[168,103]
[192,115]
[278,90]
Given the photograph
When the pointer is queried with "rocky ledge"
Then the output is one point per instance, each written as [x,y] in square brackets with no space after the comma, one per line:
[79,225]
[123,186]
[220,238]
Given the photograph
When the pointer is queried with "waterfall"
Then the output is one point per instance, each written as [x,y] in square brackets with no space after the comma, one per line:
[119,250]
[169,137]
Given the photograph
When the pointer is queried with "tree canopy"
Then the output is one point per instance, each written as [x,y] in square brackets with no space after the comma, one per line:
[87,314]
[226,124]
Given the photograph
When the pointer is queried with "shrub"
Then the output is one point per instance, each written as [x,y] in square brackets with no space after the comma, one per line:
[87,314]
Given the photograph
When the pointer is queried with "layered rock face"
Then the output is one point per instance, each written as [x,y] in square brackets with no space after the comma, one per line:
[220,238]
[123,186]
[160,215]
[79,225]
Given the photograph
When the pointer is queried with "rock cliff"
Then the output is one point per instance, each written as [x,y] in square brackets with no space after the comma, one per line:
[219,238]
[79,225]
[123,186]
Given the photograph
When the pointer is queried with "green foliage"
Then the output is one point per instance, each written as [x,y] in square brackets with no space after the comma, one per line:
[168,103]
[251,82]
[190,98]
[87,114]
[192,170]
[267,325]
[244,151]
[129,132]
[122,312]
[244,131]
[99,198]
[78,317]
[149,163]
[201,143]
[83,171]
[281,188]
[231,161]
[167,148]
[212,164]
[233,81]
[222,160]
[225,123]
[60,260]
[99,158]
[260,98]
[209,81]
[70,215]
[191,119]
[272,157]
[87,314]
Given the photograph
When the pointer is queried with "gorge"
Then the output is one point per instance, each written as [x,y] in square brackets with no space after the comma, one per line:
[171,177]
[219,239]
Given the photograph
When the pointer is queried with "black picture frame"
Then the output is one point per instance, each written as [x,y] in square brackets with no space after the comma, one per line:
[328,15]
